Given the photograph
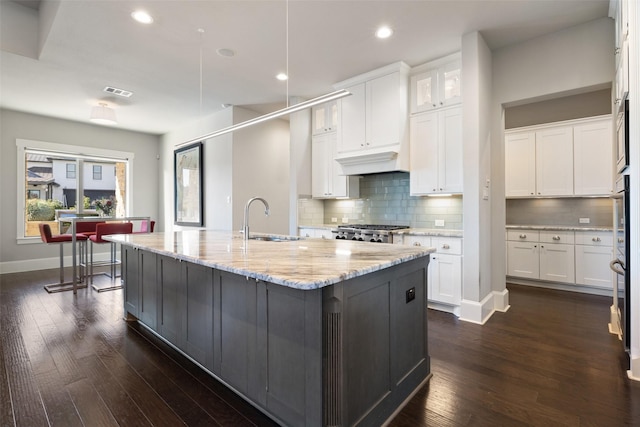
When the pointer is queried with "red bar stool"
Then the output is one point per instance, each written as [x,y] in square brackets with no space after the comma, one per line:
[86,229]
[104,230]
[60,239]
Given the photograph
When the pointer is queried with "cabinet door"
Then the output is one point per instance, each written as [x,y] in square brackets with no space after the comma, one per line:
[352,120]
[592,266]
[170,314]
[326,178]
[423,178]
[130,277]
[450,151]
[593,158]
[449,87]
[554,162]
[320,158]
[148,308]
[424,91]
[324,117]
[523,260]
[520,164]
[557,262]
[383,118]
[445,278]
[197,313]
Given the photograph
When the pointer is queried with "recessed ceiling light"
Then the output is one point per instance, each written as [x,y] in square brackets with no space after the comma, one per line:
[384,32]
[226,52]
[282,77]
[142,17]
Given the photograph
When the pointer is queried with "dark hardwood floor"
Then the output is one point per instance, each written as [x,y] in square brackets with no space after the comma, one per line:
[73,361]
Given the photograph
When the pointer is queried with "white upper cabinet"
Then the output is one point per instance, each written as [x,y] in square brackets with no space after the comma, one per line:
[622,49]
[572,159]
[593,158]
[373,135]
[554,162]
[436,152]
[324,117]
[520,164]
[369,117]
[326,179]
[437,86]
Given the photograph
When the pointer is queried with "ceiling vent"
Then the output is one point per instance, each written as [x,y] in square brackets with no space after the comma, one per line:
[119,92]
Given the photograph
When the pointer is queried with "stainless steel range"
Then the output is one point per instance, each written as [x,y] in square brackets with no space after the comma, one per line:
[366,232]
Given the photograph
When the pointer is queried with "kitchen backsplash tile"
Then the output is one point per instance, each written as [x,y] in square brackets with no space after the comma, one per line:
[561,211]
[385,199]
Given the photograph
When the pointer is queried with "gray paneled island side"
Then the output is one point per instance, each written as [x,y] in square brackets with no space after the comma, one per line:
[312,332]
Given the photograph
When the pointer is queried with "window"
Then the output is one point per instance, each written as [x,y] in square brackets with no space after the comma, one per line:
[52,177]
[71,170]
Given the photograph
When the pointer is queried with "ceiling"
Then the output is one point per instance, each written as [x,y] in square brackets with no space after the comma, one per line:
[57,56]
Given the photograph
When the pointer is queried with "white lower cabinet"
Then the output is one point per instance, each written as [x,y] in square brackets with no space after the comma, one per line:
[567,257]
[594,251]
[445,267]
[317,233]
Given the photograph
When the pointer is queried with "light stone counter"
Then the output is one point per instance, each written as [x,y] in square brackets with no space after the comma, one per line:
[300,263]
[436,232]
[557,228]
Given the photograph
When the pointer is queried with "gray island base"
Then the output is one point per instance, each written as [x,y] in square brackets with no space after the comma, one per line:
[311,332]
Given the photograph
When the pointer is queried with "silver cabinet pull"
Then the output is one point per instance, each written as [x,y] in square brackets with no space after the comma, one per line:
[417,244]
[596,239]
[445,246]
[620,240]
[556,237]
[523,236]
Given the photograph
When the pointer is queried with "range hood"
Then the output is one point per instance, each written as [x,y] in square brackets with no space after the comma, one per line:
[384,159]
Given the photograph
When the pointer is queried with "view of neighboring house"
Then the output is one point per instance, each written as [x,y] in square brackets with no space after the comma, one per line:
[56,178]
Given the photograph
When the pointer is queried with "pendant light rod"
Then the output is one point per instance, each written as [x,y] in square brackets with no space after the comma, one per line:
[273,115]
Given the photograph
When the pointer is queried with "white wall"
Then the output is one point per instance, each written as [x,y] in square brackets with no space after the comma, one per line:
[261,169]
[477,303]
[237,166]
[549,66]
[16,125]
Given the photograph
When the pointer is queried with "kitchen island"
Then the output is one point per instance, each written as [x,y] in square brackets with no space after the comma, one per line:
[312,332]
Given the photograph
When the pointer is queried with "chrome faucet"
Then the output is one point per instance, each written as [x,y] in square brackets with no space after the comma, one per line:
[245,226]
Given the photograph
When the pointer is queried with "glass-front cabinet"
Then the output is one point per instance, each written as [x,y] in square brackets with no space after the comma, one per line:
[437,85]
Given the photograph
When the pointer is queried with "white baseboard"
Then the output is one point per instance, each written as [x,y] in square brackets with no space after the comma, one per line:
[44,263]
[634,372]
[480,312]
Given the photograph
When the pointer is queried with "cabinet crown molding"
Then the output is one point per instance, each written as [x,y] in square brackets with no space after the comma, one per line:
[399,66]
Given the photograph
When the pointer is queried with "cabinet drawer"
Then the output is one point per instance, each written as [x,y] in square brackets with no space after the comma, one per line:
[523,235]
[594,238]
[411,240]
[566,237]
[447,245]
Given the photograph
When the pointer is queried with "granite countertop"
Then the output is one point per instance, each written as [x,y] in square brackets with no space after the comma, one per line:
[298,263]
[558,228]
[438,232]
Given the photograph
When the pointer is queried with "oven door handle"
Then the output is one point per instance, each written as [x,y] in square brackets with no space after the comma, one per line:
[613,266]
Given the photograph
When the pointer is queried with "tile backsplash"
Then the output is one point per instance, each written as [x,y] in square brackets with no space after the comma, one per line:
[561,211]
[384,199]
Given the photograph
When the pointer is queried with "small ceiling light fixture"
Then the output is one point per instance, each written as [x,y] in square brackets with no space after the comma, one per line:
[384,32]
[103,115]
[282,77]
[142,17]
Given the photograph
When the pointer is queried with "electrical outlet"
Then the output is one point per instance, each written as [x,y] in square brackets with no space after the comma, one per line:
[345,220]
[439,222]
[585,220]
[334,219]
[411,295]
